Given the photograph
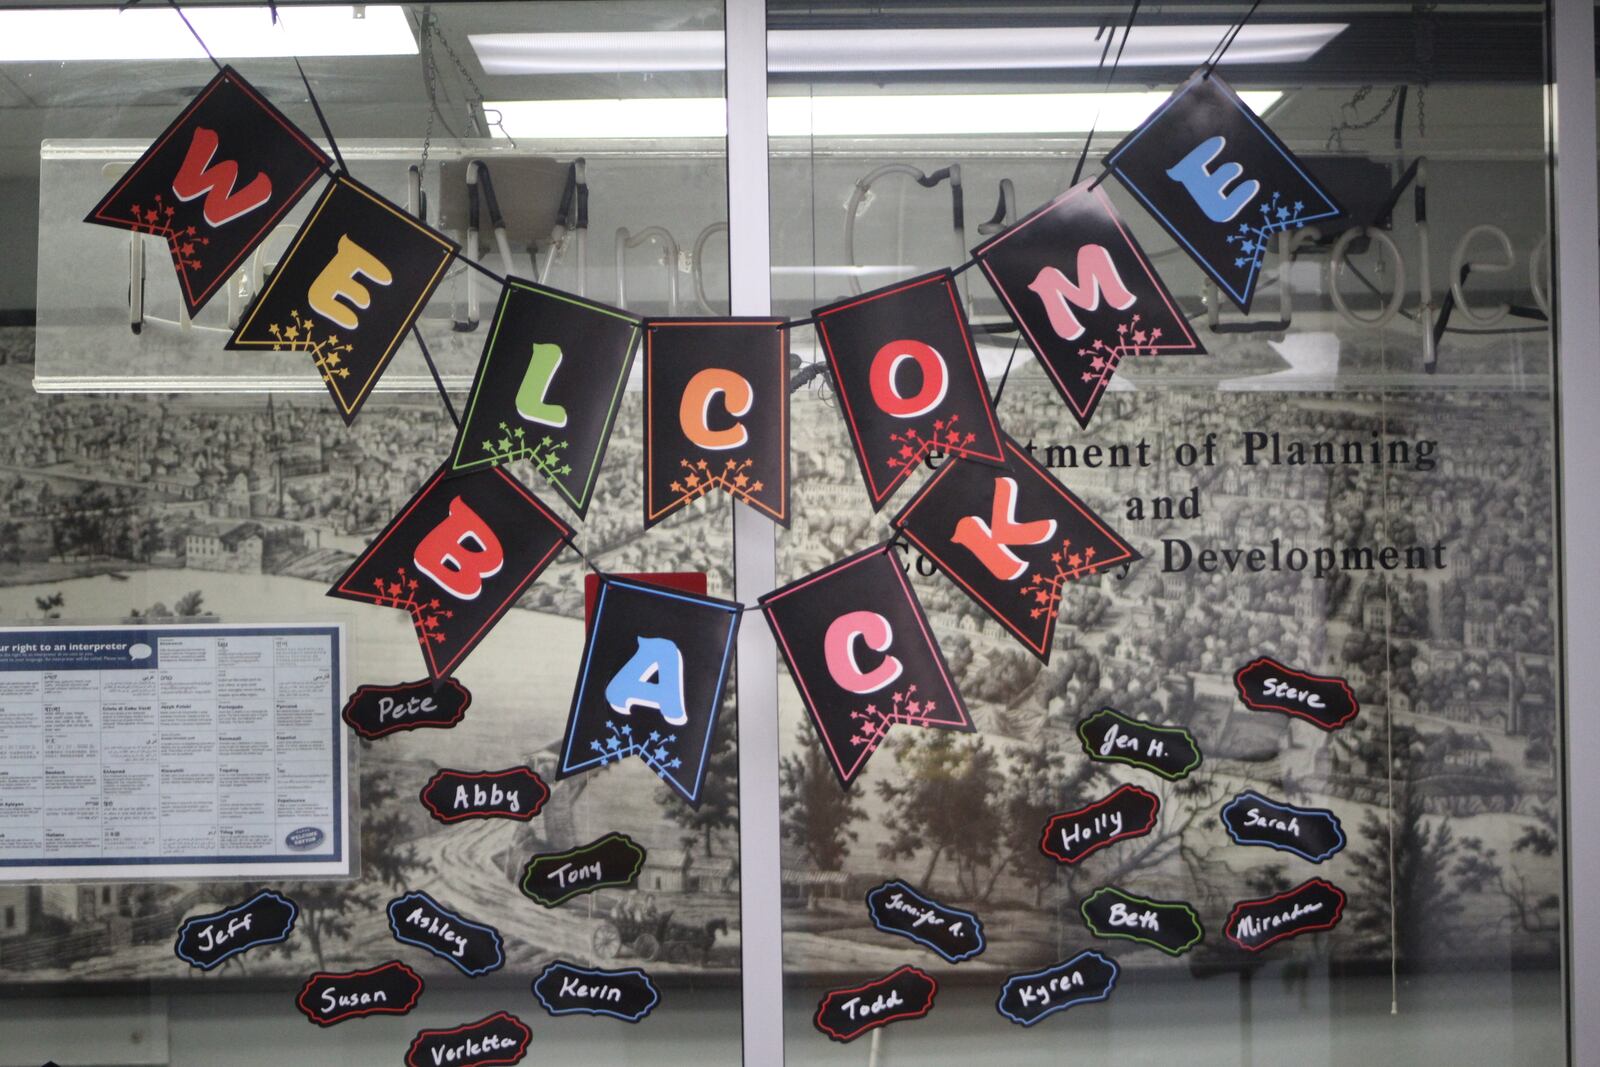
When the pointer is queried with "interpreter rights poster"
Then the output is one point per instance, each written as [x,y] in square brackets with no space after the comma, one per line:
[138,752]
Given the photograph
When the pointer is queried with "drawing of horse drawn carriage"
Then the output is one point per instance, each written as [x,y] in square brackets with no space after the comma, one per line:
[641,930]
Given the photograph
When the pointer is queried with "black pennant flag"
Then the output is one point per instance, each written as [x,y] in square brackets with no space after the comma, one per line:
[908,380]
[653,671]
[215,183]
[1012,539]
[716,414]
[1219,180]
[354,279]
[863,657]
[1084,294]
[548,388]
[457,557]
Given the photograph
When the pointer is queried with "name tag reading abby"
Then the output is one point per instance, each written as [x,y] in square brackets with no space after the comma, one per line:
[1169,925]
[514,793]
[500,1038]
[553,879]
[418,919]
[896,908]
[1072,835]
[330,997]
[1112,737]
[375,711]
[1267,685]
[1313,834]
[567,989]
[207,940]
[1084,979]
[1313,905]
[846,1014]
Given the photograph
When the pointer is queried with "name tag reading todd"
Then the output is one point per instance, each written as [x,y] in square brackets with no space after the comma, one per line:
[1267,685]
[1169,925]
[567,989]
[206,940]
[514,793]
[418,919]
[374,711]
[496,1039]
[846,1014]
[331,997]
[552,878]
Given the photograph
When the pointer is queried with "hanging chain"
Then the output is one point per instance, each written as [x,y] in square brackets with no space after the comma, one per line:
[1349,108]
[428,87]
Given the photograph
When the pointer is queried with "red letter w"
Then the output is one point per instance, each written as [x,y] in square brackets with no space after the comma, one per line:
[197,177]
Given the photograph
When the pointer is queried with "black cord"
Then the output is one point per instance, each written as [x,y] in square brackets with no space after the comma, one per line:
[194,31]
[1000,389]
[1133,12]
[438,381]
[1228,39]
[327,131]
[481,269]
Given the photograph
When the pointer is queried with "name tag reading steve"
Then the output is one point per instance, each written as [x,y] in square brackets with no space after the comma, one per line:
[172,752]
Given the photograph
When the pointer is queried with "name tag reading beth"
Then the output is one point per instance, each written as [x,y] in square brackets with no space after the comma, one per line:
[1169,925]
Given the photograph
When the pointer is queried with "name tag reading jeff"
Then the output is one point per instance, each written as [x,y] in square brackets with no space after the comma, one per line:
[1112,737]
[207,940]
[500,1038]
[1267,685]
[515,793]
[896,908]
[1072,835]
[1313,905]
[1084,979]
[418,919]
[375,711]
[331,997]
[1169,925]
[567,989]
[846,1014]
[553,878]
[1311,833]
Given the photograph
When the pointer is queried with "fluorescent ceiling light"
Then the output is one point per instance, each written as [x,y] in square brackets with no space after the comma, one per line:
[154,31]
[817,51]
[879,115]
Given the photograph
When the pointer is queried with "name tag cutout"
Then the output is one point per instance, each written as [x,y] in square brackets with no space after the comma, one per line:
[330,997]
[896,908]
[552,879]
[375,711]
[205,941]
[1088,977]
[1313,834]
[500,1038]
[1072,835]
[1265,684]
[472,948]
[1169,925]
[567,989]
[1109,736]
[1313,905]
[515,793]
[846,1014]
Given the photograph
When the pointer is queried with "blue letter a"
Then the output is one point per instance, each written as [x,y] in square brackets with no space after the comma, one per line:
[653,678]
[1207,186]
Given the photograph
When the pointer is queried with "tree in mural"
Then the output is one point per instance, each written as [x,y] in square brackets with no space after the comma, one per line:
[817,814]
[945,806]
[1043,781]
[719,794]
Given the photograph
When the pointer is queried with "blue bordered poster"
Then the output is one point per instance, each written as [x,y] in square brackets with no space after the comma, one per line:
[172,752]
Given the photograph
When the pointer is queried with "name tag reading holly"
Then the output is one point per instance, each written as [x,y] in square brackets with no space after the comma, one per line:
[205,941]
[514,793]
[1313,905]
[375,711]
[1267,685]
[567,989]
[330,997]
[846,1014]
[1084,979]
[500,1038]
[1072,835]
[1313,834]
[896,908]
[552,879]
[1112,737]
[1169,925]
[418,919]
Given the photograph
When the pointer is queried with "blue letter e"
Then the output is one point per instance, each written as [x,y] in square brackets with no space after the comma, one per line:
[1206,187]
[653,678]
